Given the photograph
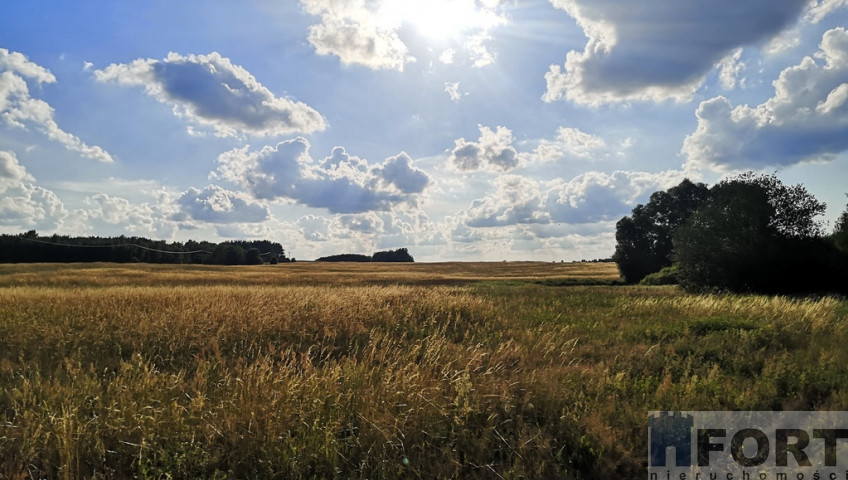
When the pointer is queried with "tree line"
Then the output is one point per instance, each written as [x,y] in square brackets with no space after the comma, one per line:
[399,255]
[29,247]
[749,233]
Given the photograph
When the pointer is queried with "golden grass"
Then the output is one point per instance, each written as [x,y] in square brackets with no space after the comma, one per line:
[299,273]
[381,371]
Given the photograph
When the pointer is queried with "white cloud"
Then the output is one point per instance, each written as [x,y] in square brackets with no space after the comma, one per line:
[731,69]
[314,228]
[806,119]
[589,198]
[573,143]
[23,205]
[214,204]
[12,173]
[29,206]
[211,91]
[493,150]
[19,109]
[136,218]
[367,32]
[515,200]
[341,183]
[354,32]
[819,9]
[452,89]
[448,56]
[18,62]
[659,49]
[481,55]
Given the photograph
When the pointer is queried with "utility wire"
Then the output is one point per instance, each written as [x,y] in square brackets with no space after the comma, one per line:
[116,245]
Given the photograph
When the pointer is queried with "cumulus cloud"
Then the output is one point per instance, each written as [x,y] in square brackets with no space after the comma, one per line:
[29,206]
[314,228]
[214,204]
[367,32]
[25,205]
[19,109]
[659,49]
[588,198]
[341,183]
[806,119]
[571,143]
[493,150]
[398,171]
[212,91]
[12,173]
[355,33]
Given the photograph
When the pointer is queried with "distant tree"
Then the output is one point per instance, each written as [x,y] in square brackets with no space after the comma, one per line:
[399,255]
[344,257]
[253,257]
[644,239]
[273,260]
[227,254]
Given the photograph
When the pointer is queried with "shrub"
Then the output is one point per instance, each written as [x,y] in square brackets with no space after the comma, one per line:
[666,276]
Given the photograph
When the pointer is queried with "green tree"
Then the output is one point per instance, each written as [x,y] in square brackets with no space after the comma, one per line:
[253,257]
[724,244]
[644,239]
[840,233]
[399,255]
[227,254]
[755,234]
[795,209]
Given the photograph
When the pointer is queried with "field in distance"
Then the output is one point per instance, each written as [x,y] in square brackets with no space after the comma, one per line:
[302,273]
[306,370]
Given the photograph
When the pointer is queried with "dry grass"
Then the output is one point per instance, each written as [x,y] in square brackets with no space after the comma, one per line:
[299,273]
[381,371]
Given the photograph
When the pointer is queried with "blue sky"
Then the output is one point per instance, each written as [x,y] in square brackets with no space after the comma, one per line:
[461,129]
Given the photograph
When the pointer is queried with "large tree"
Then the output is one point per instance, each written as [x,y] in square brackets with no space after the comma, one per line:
[755,234]
[840,233]
[644,239]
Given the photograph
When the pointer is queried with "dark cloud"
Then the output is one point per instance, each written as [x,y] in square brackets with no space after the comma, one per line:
[659,49]
[398,171]
[211,90]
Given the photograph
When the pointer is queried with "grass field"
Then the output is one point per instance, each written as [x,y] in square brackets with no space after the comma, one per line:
[499,370]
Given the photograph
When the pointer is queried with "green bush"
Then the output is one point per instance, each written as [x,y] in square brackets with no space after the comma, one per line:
[666,276]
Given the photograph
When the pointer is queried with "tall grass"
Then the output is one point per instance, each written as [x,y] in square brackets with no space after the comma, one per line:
[176,378]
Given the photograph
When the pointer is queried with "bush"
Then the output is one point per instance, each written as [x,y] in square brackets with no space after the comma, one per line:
[666,276]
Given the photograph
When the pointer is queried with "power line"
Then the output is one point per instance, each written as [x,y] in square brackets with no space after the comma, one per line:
[117,245]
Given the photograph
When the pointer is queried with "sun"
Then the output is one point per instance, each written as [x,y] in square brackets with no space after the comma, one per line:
[440,20]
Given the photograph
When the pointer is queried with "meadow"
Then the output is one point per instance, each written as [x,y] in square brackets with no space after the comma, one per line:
[305,370]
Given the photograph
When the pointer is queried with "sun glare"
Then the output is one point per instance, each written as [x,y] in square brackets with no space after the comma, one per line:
[439,19]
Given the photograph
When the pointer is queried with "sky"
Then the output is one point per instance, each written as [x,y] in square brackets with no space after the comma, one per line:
[474,130]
